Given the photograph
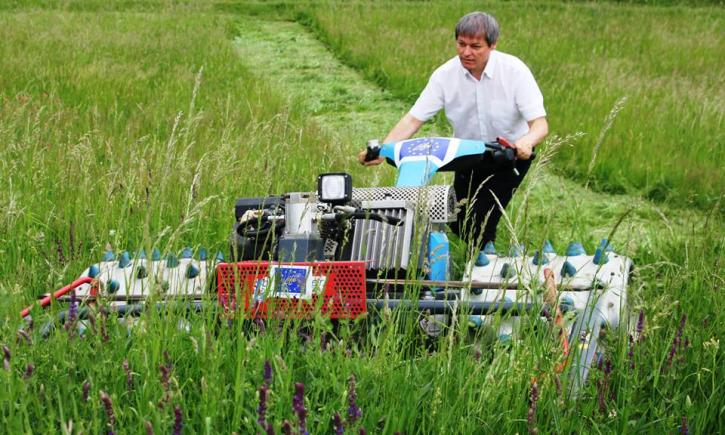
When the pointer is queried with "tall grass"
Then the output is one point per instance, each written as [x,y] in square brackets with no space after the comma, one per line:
[666,61]
[141,129]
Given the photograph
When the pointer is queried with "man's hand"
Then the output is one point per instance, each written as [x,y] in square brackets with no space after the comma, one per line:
[361,159]
[538,129]
[523,149]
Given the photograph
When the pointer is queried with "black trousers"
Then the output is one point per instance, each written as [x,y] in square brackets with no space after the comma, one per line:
[479,216]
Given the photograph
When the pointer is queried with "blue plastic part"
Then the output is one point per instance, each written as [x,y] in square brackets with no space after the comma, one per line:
[93,271]
[567,300]
[438,253]
[489,249]
[516,250]
[141,254]
[186,253]
[108,256]
[419,159]
[192,271]
[504,338]
[415,174]
[604,243]
[141,273]
[482,260]
[219,257]
[600,256]
[155,255]
[124,260]
[568,269]
[113,286]
[507,271]
[474,321]
[539,259]
[202,254]
[575,249]
[171,260]
[548,249]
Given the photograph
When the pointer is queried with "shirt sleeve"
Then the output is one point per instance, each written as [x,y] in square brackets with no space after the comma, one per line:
[529,99]
[430,100]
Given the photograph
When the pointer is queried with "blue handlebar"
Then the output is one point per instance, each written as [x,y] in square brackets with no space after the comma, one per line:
[419,159]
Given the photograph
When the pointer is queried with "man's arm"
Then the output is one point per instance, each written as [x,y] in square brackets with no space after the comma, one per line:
[404,129]
[538,129]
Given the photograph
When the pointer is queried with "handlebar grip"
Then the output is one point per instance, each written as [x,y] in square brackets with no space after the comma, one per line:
[373,150]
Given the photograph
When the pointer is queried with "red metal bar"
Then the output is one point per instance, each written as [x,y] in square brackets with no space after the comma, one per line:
[46,300]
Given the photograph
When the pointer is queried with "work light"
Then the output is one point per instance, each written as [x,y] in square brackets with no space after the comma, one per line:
[335,188]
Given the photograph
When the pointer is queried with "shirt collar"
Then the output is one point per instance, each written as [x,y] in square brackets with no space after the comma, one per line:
[491,64]
[487,71]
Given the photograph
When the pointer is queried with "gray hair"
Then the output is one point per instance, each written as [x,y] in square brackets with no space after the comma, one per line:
[478,24]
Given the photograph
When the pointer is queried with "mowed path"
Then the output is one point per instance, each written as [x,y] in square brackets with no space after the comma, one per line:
[351,110]
[301,68]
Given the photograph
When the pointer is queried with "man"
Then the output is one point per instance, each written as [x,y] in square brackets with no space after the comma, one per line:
[485,94]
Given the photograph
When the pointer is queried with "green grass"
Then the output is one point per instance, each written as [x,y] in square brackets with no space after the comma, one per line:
[586,57]
[131,124]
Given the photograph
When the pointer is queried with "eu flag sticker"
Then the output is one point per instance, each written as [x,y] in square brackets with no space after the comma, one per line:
[291,281]
[425,146]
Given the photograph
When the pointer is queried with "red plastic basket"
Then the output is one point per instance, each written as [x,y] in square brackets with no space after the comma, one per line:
[336,289]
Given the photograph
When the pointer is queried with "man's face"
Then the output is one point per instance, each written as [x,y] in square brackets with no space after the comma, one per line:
[473,52]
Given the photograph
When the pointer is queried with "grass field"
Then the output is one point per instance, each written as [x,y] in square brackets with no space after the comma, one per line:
[136,124]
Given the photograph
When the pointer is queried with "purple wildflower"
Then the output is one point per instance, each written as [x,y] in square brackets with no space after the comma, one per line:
[164,369]
[298,406]
[630,353]
[608,367]
[29,371]
[640,326]
[286,428]
[531,417]
[267,376]
[149,427]
[262,409]
[178,420]
[164,376]
[673,351]
[108,406]
[6,357]
[683,426]
[353,411]
[86,389]
[677,341]
[129,375]
[337,424]
[72,313]
[602,396]
[362,431]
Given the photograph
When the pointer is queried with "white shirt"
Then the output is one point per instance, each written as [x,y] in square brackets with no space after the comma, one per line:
[500,104]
